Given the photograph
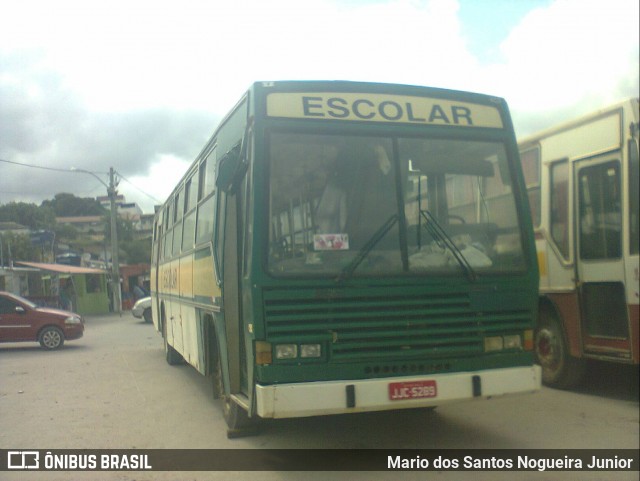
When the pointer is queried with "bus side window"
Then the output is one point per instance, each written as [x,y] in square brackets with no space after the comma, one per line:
[205,177]
[634,182]
[600,212]
[219,208]
[168,243]
[190,201]
[210,173]
[205,220]
[177,238]
[530,160]
[159,254]
[559,206]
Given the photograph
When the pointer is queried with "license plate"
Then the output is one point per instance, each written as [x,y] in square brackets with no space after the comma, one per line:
[399,391]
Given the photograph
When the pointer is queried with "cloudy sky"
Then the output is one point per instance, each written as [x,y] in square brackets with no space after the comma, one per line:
[139,85]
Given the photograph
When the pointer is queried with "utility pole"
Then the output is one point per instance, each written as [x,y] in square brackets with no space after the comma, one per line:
[115,265]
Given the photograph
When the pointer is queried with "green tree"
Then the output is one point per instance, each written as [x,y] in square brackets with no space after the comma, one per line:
[29,215]
[65,232]
[17,247]
[124,228]
[137,252]
[68,205]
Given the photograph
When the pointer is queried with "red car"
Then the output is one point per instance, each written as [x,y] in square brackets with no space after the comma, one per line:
[22,320]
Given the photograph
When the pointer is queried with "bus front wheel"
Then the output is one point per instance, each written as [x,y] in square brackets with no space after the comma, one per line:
[559,368]
[238,421]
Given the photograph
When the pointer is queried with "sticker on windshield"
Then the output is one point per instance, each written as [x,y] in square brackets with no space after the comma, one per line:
[331,242]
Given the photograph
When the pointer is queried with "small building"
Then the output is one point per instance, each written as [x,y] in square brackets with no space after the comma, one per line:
[13,228]
[22,281]
[126,210]
[133,275]
[129,211]
[86,224]
[143,229]
[80,289]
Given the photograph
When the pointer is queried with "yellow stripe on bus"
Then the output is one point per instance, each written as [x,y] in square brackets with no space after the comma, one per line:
[204,279]
[189,278]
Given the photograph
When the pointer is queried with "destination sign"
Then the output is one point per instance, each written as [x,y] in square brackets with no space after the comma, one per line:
[381,108]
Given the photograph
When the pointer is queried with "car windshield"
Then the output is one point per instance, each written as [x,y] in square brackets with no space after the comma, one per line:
[352,206]
[17,298]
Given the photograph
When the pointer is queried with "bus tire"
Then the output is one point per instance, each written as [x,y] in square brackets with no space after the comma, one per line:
[172,356]
[239,424]
[217,383]
[559,369]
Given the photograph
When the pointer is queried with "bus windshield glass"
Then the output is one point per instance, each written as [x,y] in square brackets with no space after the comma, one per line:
[342,206]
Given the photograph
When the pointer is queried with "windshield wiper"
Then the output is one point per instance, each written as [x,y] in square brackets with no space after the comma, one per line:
[444,241]
[368,247]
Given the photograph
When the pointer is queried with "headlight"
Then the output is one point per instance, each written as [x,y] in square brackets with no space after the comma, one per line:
[286,351]
[73,320]
[499,343]
[310,350]
[512,342]
[493,344]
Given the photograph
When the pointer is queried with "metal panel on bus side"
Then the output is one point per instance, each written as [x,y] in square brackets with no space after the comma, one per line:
[206,294]
[596,136]
[188,314]
[173,311]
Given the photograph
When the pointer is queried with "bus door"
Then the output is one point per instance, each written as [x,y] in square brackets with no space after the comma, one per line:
[155,272]
[174,308]
[600,264]
[231,203]
[231,290]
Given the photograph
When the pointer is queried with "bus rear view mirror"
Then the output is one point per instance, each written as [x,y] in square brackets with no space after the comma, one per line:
[230,170]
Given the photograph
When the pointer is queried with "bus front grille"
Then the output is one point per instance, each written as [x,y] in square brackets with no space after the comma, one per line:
[387,324]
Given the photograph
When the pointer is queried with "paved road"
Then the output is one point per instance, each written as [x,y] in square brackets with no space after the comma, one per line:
[113,389]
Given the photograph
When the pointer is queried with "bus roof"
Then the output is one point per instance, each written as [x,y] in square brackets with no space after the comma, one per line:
[584,119]
[359,86]
[262,88]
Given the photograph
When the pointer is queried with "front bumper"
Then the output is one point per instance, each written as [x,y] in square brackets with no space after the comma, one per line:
[73,333]
[333,397]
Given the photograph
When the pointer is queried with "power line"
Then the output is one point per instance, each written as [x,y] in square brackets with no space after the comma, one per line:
[139,189]
[71,171]
[34,166]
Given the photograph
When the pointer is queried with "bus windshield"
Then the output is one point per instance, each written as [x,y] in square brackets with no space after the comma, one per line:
[347,206]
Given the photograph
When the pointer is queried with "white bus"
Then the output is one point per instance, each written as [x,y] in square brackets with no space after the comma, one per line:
[582,180]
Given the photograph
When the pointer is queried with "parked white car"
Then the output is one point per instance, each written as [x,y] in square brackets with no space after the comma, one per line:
[142,309]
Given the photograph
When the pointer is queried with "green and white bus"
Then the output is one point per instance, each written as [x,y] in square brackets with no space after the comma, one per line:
[340,247]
